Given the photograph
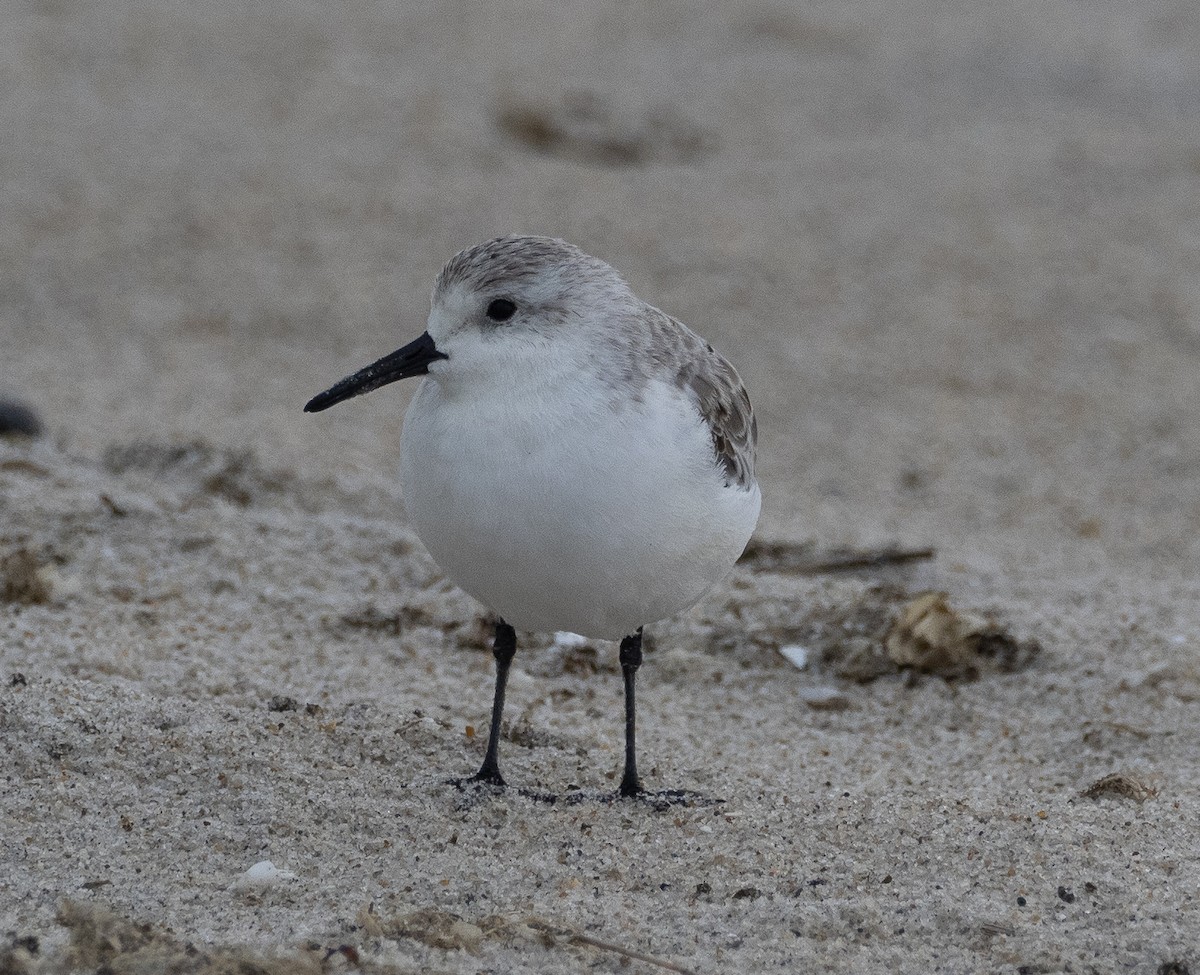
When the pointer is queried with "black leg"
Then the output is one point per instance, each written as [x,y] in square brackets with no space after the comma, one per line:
[503,649]
[631,660]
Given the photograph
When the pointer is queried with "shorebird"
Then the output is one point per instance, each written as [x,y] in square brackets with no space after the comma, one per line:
[575,459]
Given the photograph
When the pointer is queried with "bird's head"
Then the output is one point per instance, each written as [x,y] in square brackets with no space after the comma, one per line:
[502,310]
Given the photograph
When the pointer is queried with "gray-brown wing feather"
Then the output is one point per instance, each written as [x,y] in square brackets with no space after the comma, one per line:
[726,409]
[720,396]
[663,347]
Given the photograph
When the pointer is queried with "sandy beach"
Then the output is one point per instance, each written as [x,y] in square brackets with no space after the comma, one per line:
[952,251]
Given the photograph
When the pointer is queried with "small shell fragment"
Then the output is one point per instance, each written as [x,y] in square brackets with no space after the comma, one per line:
[825,699]
[263,874]
[795,654]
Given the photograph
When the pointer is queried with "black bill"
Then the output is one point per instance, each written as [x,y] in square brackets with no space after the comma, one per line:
[412,360]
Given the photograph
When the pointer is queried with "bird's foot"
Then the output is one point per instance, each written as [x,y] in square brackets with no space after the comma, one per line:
[485,776]
[488,784]
[663,799]
[485,782]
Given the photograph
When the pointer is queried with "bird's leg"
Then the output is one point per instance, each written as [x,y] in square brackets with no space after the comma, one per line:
[503,649]
[631,660]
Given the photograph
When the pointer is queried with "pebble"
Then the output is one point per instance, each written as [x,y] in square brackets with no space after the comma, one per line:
[18,420]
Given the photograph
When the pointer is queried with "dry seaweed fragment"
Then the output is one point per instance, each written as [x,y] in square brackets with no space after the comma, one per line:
[103,941]
[626,954]
[24,580]
[232,475]
[449,932]
[1120,786]
[803,558]
[438,929]
[932,637]
[19,956]
[885,629]
[371,619]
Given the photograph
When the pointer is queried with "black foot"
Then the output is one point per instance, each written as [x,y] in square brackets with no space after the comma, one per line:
[478,786]
[631,788]
[664,799]
[480,778]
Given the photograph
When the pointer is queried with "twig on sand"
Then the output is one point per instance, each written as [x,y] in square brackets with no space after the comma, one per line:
[802,559]
[571,934]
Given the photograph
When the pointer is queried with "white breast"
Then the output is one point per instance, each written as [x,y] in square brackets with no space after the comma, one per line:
[596,519]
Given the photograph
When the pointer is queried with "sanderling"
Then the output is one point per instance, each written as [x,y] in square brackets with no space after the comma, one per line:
[575,459]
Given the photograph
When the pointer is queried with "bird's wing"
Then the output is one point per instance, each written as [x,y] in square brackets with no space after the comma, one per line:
[725,406]
[721,398]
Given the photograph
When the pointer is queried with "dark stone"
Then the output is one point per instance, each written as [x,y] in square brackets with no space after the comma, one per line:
[18,420]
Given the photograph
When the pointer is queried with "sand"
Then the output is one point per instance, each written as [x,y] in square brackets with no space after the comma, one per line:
[952,251]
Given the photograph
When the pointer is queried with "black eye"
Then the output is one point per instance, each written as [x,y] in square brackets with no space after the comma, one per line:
[501,310]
